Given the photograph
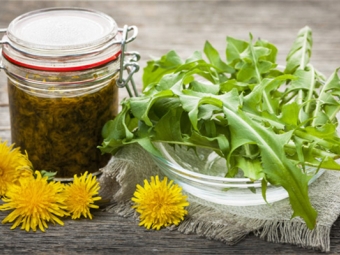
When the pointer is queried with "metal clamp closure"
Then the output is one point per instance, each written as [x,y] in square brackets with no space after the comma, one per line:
[128,62]
[2,30]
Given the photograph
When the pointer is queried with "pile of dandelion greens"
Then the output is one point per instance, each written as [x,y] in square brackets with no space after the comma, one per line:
[271,123]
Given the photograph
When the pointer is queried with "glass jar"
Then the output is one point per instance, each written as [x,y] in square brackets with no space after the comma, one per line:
[64,67]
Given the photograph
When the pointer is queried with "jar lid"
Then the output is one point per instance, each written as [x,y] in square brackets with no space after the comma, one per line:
[62,39]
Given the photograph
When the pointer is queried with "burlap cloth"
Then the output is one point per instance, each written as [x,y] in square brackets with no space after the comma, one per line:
[131,165]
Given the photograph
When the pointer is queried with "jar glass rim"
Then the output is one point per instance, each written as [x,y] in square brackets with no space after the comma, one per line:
[89,39]
[61,30]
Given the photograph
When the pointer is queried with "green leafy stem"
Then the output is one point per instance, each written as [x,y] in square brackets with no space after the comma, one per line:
[266,121]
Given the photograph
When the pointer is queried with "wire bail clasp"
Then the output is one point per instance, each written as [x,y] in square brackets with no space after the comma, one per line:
[2,30]
[128,62]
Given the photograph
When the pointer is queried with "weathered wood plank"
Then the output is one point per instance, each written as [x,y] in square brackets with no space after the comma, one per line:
[108,233]
[182,26]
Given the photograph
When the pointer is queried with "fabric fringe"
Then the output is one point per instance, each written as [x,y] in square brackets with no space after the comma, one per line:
[132,165]
[121,175]
[199,221]
[296,233]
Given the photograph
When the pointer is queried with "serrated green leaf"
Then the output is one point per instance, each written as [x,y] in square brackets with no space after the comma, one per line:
[290,115]
[245,116]
[157,68]
[301,51]
[192,100]
[252,168]
[326,98]
[215,59]
[233,83]
[278,169]
[205,87]
[235,47]
[122,125]
[140,106]
[272,50]
[305,84]
[168,128]
[50,175]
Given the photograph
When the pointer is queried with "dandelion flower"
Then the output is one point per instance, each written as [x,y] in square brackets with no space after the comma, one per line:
[81,195]
[12,162]
[34,202]
[25,172]
[159,203]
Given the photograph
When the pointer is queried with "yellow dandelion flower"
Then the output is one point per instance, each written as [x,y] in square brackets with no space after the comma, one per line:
[12,161]
[34,202]
[81,194]
[159,203]
[25,172]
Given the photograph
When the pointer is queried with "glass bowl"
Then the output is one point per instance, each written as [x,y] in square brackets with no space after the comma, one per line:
[201,173]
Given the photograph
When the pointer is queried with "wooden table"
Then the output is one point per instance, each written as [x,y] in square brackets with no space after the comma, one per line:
[183,26]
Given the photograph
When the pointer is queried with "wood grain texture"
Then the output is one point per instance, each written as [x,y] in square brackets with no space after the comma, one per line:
[183,26]
[111,234]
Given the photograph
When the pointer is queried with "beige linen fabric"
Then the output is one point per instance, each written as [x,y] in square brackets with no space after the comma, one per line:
[131,165]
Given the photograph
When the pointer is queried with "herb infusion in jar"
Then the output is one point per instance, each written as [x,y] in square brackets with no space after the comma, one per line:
[64,67]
